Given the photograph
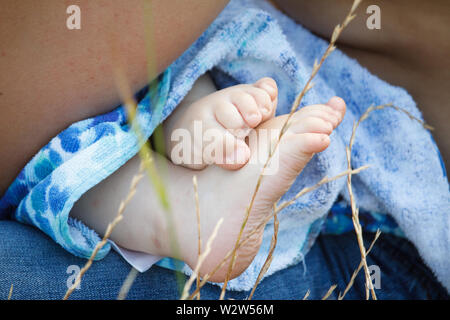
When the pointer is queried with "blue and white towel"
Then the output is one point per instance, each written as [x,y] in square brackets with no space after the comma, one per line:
[250,40]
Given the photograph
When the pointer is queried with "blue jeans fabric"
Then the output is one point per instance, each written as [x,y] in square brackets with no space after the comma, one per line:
[37,267]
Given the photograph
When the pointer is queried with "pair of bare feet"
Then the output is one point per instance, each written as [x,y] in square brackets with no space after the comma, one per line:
[227,176]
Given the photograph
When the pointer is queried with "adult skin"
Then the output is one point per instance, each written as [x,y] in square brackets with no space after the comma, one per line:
[52,76]
[410,50]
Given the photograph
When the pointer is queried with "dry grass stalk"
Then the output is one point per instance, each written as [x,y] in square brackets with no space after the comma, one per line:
[197,211]
[320,183]
[126,286]
[369,110]
[355,217]
[331,47]
[109,229]
[307,295]
[355,273]
[355,211]
[263,223]
[281,207]
[200,261]
[390,105]
[145,151]
[146,156]
[355,220]
[10,291]
[358,230]
[329,292]
[273,244]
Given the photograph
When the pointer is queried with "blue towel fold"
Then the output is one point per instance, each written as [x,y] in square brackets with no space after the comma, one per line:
[249,40]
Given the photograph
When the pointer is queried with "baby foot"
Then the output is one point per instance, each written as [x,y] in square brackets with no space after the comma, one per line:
[307,134]
[213,129]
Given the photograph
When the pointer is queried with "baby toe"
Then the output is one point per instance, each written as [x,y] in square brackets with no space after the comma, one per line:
[312,125]
[231,119]
[323,111]
[338,105]
[237,158]
[269,85]
[266,106]
[248,108]
[236,155]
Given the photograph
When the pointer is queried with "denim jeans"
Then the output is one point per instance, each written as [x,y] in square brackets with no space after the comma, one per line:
[40,269]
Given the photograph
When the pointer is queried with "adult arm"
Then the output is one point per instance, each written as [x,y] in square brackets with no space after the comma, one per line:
[52,76]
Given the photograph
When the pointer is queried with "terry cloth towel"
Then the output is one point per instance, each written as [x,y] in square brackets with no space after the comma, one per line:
[249,40]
